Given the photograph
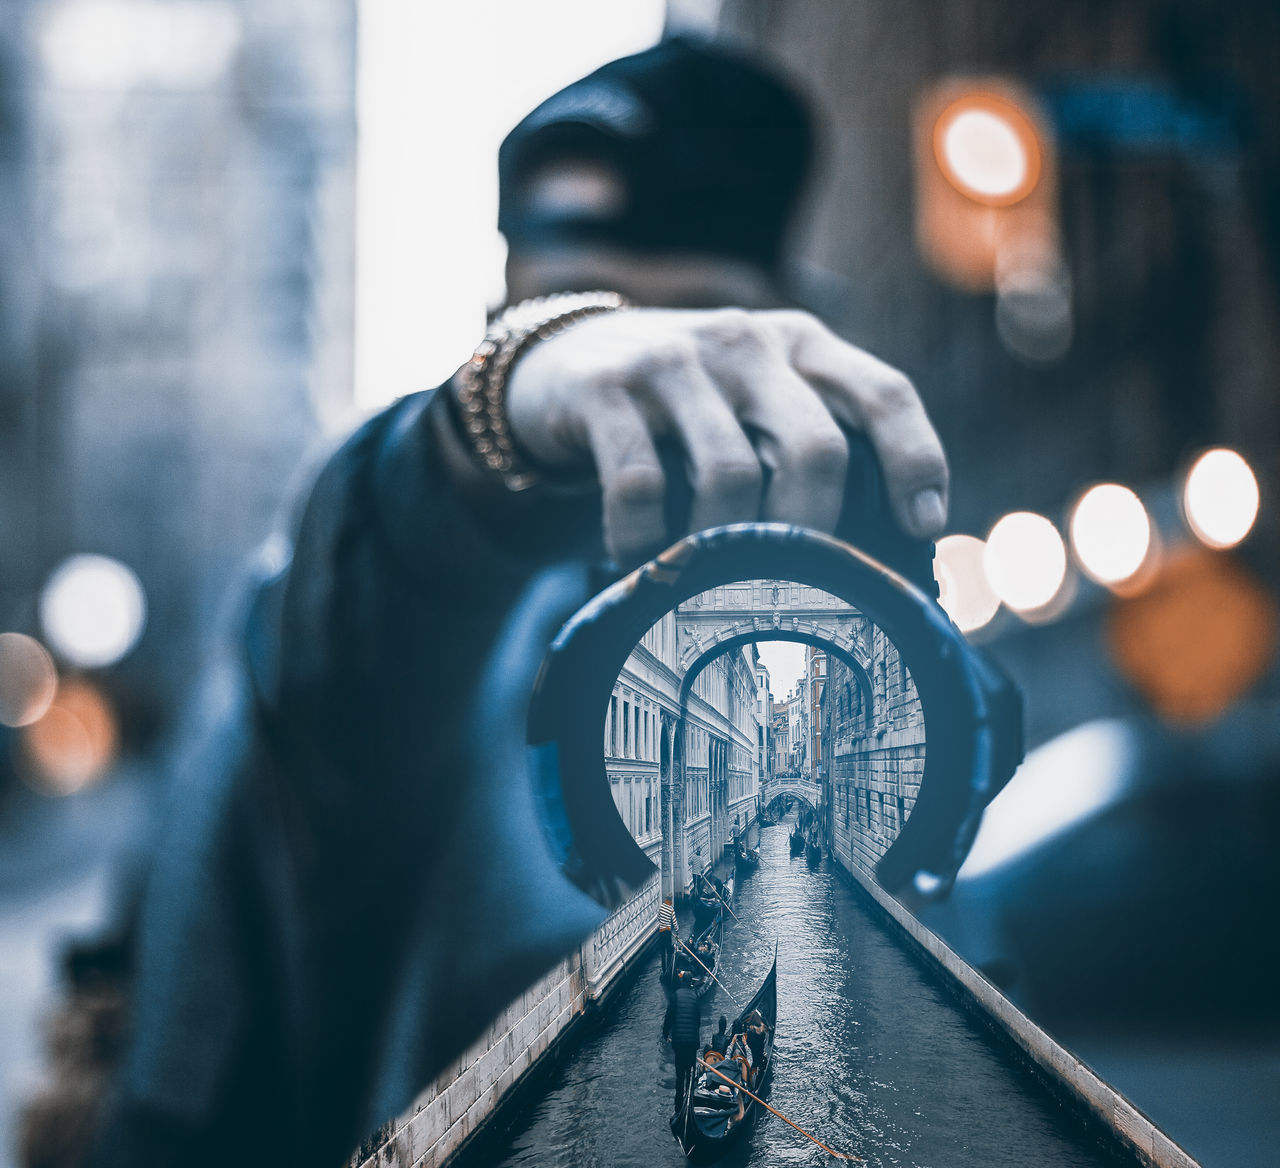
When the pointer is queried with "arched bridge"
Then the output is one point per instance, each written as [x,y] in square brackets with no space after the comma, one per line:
[763,610]
[798,786]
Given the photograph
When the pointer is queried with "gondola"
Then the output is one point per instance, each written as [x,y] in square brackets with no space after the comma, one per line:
[797,842]
[702,978]
[710,1120]
[813,850]
[746,859]
[705,905]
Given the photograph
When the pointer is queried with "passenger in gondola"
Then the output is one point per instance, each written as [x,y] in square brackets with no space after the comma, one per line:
[682,962]
[719,1043]
[720,1085]
[757,1035]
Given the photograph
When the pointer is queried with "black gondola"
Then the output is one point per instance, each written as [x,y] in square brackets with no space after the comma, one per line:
[702,964]
[813,850]
[746,859]
[705,905]
[715,1113]
[797,842]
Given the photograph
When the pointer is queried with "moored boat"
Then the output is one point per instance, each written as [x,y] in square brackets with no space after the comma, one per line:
[797,842]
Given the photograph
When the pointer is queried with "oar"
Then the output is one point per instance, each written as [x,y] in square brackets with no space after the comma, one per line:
[711,975]
[734,1083]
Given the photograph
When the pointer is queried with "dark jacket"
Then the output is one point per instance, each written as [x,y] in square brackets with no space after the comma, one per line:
[318,937]
[686,1022]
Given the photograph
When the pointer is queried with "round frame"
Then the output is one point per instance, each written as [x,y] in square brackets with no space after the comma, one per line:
[972,714]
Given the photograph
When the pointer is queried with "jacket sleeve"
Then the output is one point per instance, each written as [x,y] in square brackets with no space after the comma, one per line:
[352,880]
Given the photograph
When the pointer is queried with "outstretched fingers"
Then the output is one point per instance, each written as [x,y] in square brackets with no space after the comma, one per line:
[633,486]
[865,394]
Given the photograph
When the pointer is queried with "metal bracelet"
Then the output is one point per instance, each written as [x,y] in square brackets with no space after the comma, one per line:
[481,383]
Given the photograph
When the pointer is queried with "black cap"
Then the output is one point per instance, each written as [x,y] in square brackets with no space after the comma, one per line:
[711,149]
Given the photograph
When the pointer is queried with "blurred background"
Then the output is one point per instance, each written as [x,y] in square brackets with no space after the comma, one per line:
[229,230]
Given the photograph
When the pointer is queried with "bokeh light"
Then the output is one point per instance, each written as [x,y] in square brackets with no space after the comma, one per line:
[28,679]
[1220,499]
[1110,533]
[963,590]
[988,149]
[1034,317]
[1198,638]
[92,610]
[73,744]
[1025,560]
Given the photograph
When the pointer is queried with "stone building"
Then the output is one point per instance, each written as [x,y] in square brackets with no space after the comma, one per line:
[874,736]
[682,780]
[780,737]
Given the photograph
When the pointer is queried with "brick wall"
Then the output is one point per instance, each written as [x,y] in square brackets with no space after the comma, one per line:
[876,748]
[468,1092]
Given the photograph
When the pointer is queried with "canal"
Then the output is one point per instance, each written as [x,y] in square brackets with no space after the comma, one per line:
[873,1056]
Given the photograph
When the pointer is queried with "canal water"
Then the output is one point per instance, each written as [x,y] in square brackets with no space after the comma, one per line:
[872,1056]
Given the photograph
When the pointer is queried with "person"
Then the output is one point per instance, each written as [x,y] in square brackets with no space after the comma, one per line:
[685,1034]
[757,1033]
[669,994]
[720,1040]
[315,940]
[706,955]
[668,933]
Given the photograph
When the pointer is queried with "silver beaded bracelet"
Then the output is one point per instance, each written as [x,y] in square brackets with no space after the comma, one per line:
[482,382]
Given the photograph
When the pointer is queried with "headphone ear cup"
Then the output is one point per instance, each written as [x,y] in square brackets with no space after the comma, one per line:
[973,712]
[867,522]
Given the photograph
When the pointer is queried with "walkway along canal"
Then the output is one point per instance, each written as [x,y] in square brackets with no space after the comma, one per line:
[873,1056]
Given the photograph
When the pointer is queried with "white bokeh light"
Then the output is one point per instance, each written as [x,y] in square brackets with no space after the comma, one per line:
[963,589]
[1220,499]
[1110,533]
[28,680]
[93,610]
[1025,560]
[985,153]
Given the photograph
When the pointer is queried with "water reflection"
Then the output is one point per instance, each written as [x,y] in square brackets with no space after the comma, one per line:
[873,1057]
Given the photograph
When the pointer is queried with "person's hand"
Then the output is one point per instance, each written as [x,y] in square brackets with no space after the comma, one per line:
[742,393]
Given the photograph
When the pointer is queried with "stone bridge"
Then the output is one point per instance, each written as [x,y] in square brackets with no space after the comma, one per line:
[767,610]
[798,786]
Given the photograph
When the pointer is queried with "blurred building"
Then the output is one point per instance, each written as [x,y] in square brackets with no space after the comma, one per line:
[178,245]
[1134,321]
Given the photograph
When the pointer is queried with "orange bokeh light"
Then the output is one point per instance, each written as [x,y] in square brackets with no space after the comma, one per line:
[988,149]
[73,743]
[1197,638]
[985,181]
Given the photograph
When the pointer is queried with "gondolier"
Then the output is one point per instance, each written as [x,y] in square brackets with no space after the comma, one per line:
[686,1025]
[668,935]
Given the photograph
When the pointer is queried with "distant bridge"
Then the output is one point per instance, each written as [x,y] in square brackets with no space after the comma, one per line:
[798,786]
[768,610]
